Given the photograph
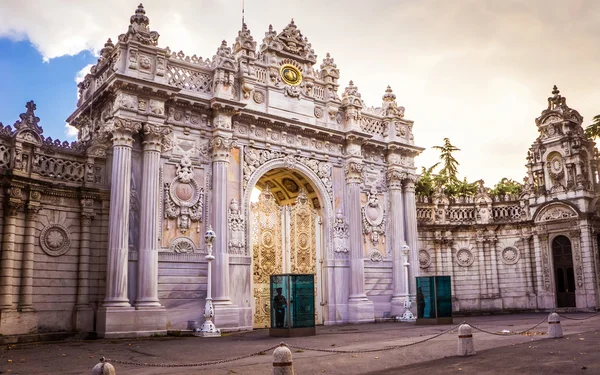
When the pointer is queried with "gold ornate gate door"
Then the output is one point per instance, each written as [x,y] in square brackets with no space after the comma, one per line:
[283,241]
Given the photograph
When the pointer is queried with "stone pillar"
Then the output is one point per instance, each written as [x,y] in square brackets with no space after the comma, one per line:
[396,235]
[118,240]
[479,240]
[410,230]
[360,308]
[147,286]
[221,147]
[11,211]
[26,295]
[493,280]
[84,315]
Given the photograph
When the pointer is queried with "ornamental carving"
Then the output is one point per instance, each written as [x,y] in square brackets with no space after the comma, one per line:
[510,255]
[182,245]
[237,229]
[424,259]
[259,97]
[545,261]
[341,235]
[318,112]
[557,213]
[55,240]
[376,256]
[464,257]
[184,198]
[373,217]
[254,158]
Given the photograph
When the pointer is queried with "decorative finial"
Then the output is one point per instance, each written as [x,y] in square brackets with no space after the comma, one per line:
[351,83]
[292,22]
[140,17]
[555,90]
[389,95]
[270,28]
[328,55]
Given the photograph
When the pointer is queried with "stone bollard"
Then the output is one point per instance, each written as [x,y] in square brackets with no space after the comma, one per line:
[282,361]
[465,341]
[103,368]
[554,328]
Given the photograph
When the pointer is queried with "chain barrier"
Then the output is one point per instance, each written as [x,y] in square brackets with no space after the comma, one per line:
[337,351]
[374,350]
[507,333]
[199,364]
[586,318]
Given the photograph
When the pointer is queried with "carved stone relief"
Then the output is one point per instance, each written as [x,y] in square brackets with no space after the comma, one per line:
[464,257]
[237,229]
[375,256]
[184,198]
[510,255]
[373,217]
[424,259]
[55,240]
[182,245]
[341,236]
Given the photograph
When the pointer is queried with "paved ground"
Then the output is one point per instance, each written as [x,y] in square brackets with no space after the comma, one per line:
[530,353]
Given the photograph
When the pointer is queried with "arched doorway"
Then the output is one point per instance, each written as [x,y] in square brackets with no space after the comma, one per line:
[285,236]
[564,275]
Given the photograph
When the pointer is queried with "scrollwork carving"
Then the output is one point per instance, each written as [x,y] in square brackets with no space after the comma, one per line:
[184,198]
[237,229]
[373,217]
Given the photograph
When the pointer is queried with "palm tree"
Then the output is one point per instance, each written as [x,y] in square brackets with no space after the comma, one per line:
[593,131]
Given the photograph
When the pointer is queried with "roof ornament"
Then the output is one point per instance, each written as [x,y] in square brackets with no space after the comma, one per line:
[139,29]
[29,120]
[390,107]
[556,101]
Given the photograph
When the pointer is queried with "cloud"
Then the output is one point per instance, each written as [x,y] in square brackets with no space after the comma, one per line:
[80,76]
[71,132]
[477,71]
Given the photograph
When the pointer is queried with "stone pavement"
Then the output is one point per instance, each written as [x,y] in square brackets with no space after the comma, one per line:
[528,353]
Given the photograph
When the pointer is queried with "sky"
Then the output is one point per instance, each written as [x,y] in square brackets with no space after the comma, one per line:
[476,71]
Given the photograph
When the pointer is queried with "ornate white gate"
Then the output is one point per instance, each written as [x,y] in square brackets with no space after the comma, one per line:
[284,240]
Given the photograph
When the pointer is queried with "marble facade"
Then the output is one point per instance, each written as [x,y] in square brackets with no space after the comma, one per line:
[106,234]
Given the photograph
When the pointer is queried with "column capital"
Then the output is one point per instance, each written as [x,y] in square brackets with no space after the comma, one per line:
[32,210]
[394,178]
[222,118]
[221,147]
[122,131]
[353,170]
[87,217]
[153,136]
[409,182]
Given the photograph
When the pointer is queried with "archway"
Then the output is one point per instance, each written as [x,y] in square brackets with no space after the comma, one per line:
[564,275]
[286,234]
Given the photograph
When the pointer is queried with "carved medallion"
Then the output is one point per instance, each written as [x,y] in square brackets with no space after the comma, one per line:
[290,74]
[464,257]
[424,259]
[373,217]
[184,197]
[258,97]
[55,240]
[510,255]
[182,245]
[375,256]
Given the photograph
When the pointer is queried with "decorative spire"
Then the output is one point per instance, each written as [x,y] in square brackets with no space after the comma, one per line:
[107,50]
[556,101]
[139,19]
[244,43]
[389,95]
[28,119]
[139,29]
[351,96]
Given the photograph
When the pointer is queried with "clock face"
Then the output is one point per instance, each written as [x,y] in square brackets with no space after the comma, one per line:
[290,75]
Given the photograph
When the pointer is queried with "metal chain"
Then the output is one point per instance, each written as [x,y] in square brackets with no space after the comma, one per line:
[586,318]
[372,350]
[200,364]
[507,333]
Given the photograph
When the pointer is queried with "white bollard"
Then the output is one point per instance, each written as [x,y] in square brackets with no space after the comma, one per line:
[103,368]
[282,361]
[465,341]
[554,327]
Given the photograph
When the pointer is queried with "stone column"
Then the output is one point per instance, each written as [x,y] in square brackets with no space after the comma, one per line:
[479,240]
[396,235]
[360,308]
[147,286]
[83,269]
[11,211]
[221,147]
[410,230]
[118,240]
[493,280]
[26,295]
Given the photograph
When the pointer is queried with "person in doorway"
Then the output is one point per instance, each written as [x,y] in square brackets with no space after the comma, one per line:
[279,304]
[420,303]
